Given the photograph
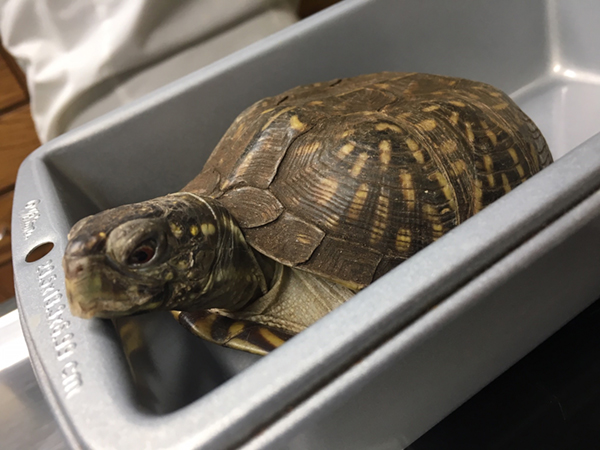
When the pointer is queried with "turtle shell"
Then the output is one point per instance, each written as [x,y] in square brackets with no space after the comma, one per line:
[348,178]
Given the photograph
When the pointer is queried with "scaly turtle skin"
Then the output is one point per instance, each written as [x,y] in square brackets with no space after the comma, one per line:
[309,196]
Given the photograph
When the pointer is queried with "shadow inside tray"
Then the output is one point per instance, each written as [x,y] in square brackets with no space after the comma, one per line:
[170,367]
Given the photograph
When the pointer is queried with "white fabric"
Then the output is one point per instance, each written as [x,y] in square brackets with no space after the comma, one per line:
[85,57]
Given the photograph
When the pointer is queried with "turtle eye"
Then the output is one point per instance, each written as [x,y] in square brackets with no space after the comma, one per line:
[142,254]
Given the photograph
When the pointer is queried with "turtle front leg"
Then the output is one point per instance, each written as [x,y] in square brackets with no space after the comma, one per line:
[233,333]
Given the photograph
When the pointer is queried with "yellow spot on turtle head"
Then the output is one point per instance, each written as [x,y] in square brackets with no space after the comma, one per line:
[457,103]
[194,230]
[386,152]
[208,229]
[183,264]
[359,164]
[296,124]
[102,235]
[431,108]
[345,151]
[427,124]
[387,126]
[492,137]
[176,229]
[169,276]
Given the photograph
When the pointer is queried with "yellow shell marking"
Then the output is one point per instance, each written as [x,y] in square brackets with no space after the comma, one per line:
[328,188]
[296,124]
[520,170]
[275,341]
[491,180]
[484,125]
[315,103]
[496,94]
[382,85]
[169,276]
[427,124]
[500,106]
[488,162]
[310,148]
[446,188]
[534,154]
[236,328]
[477,196]
[359,164]
[208,229]
[459,166]
[449,147]
[431,108]
[358,201]
[271,119]
[469,130]
[513,154]
[505,183]
[403,240]
[380,223]
[457,103]
[303,239]
[454,117]
[412,145]
[345,151]
[346,133]
[386,152]
[405,115]
[408,189]
[387,126]
[194,230]
[176,229]
[493,138]
[333,220]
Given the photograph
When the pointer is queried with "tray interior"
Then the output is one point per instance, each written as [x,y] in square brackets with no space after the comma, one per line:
[157,146]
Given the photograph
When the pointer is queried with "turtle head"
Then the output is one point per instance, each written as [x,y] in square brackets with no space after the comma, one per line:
[174,252]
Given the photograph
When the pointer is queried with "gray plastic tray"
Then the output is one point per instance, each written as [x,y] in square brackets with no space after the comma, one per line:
[403,353]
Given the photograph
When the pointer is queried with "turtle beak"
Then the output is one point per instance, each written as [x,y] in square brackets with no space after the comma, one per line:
[84,287]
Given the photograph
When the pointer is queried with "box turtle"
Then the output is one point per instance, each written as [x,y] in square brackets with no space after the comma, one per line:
[308,197]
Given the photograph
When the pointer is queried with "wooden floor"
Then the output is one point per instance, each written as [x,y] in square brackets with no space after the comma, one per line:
[17,140]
